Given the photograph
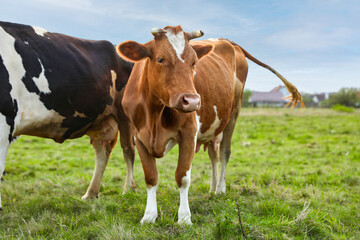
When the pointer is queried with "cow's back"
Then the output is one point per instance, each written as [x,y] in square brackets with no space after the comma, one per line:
[56,86]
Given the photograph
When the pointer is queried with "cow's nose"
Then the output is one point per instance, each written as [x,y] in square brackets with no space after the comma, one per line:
[189,102]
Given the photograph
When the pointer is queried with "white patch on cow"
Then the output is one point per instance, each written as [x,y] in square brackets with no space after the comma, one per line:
[213,39]
[177,41]
[198,123]
[113,75]
[41,82]
[113,79]
[26,42]
[151,206]
[209,134]
[4,145]
[39,31]
[184,214]
[198,126]
[194,73]
[31,111]
[171,143]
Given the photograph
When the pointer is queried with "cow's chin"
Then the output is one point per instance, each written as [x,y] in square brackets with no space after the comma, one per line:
[182,110]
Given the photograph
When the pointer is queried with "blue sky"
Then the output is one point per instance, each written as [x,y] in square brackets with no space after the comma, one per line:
[314,44]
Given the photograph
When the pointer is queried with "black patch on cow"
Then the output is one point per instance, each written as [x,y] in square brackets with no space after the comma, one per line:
[31,64]
[8,107]
[124,72]
[78,73]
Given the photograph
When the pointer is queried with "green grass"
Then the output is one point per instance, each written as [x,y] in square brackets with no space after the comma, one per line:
[295,174]
[341,108]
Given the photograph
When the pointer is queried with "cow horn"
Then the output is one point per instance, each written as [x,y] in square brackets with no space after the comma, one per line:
[196,34]
[156,31]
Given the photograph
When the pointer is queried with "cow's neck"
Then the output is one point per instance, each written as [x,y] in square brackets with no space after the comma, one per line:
[160,121]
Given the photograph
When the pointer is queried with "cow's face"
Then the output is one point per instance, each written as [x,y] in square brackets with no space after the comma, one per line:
[170,65]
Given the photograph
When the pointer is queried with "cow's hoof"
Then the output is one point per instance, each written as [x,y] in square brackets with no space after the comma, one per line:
[221,189]
[149,218]
[129,190]
[89,197]
[185,221]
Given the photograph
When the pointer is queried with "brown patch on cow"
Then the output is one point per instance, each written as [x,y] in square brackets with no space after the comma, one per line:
[213,92]
[105,131]
[175,29]
[202,51]
[78,114]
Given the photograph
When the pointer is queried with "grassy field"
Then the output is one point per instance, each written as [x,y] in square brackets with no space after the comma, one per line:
[294,173]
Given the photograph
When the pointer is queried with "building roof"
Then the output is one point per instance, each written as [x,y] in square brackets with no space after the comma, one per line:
[272,97]
[276,89]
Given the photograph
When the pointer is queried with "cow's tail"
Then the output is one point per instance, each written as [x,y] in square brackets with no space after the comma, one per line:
[295,96]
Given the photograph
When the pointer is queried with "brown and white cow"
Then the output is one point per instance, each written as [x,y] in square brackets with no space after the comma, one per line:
[163,97]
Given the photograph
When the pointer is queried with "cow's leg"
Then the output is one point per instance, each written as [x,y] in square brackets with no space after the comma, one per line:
[183,174]
[225,145]
[4,146]
[103,139]
[214,158]
[151,179]
[127,144]
[102,150]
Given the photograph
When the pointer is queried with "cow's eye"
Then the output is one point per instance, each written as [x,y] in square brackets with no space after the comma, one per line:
[160,60]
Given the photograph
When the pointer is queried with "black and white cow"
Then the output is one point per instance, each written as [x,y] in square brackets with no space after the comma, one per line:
[60,87]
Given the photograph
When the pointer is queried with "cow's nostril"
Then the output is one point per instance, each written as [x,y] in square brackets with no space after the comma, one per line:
[185,102]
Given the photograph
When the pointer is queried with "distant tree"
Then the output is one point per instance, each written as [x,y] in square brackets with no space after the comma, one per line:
[349,97]
[246,98]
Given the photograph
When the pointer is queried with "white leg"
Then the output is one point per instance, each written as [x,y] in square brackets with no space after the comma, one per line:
[221,187]
[3,152]
[225,151]
[4,146]
[102,153]
[214,158]
[151,206]
[184,214]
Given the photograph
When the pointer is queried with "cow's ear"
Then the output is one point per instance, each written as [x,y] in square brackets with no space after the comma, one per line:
[132,51]
[202,51]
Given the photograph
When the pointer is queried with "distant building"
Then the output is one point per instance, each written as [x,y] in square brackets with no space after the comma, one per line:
[274,98]
[318,98]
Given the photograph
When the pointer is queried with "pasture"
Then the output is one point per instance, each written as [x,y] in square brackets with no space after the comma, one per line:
[294,173]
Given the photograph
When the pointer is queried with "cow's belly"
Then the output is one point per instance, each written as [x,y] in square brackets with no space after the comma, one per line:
[211,135]
[39,122]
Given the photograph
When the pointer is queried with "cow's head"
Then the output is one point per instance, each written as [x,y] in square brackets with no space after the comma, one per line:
[170,65]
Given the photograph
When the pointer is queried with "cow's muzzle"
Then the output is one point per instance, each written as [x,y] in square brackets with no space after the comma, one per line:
[186,102]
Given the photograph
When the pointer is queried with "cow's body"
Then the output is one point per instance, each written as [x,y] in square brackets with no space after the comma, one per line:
[160,123]
[60,87]
[220,79]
